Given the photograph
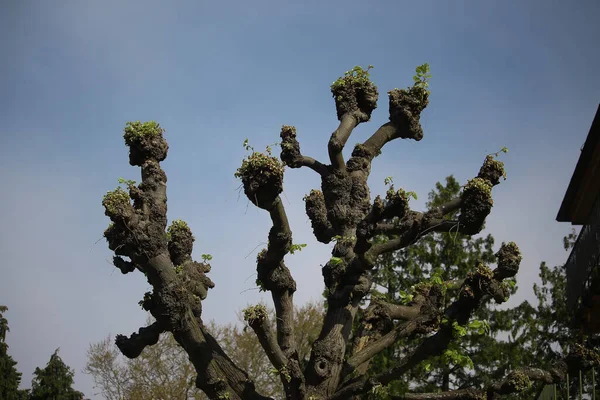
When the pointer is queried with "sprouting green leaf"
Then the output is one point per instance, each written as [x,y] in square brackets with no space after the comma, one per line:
[460,331]
[476,324]
[405,297]
[206,257]
[422,76]
[127,182]
[247,146]
[481,327]
[297,247]
[454,357]
[336,260]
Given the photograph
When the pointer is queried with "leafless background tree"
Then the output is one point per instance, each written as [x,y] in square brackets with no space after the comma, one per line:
[164,372]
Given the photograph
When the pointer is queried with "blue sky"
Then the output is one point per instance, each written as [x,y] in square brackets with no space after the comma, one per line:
[521,74]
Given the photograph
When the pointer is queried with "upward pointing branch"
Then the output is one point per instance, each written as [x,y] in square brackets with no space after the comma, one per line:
[355,99]
[405,107]
[291,156]
[262,177]
[338,140]
[137,231]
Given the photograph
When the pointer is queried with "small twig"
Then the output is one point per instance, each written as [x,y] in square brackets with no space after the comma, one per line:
[247,290]
[457,232]
[421,234]
[95,243]
[284,195]
[252,251]
[238,189]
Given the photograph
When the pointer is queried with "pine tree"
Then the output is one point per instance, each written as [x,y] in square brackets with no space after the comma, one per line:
[54,382]
[10,378]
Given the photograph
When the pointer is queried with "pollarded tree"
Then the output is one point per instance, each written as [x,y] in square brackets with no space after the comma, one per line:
[342,211]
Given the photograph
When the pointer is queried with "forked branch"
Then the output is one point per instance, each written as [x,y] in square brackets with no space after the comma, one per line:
[137,231]
[479,285]
[355,99]
[291,155]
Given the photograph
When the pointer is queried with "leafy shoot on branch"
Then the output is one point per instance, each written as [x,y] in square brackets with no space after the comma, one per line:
[297,247]
[421,79]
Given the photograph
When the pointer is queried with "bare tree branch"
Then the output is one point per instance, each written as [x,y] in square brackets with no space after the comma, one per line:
[422,316]
[405,112]
[461,394]
[289,373]
[412,227]
[377,321]
[451,206]
[400,331]
[291,156]
[380,309]
[338,140]
[515,382]
[257,319]
[134,345]
[475,204]
[262,177]
[481,284]
[276,277]
[355,99]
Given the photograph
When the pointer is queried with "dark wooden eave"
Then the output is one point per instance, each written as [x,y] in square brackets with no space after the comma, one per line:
[584,187]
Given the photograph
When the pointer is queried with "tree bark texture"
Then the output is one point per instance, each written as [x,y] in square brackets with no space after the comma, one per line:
[341,211]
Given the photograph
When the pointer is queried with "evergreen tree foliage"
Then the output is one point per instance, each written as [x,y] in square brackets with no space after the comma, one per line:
[502,340]
[10,378]
[54,382]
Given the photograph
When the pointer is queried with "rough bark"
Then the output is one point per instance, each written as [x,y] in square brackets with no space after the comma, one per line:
[341,211]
